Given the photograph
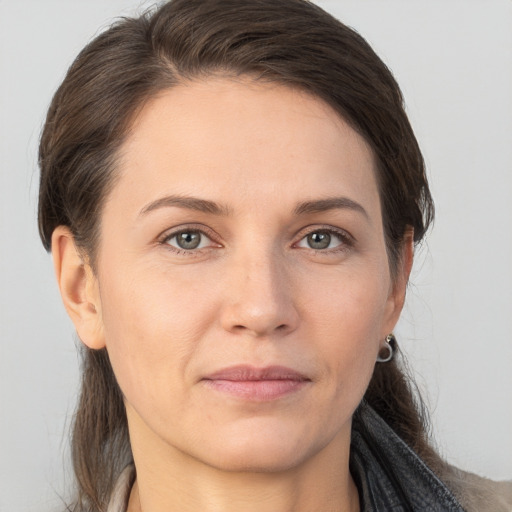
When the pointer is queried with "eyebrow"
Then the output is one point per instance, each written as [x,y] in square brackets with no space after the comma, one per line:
[207,206]
[330,203]
[190,203]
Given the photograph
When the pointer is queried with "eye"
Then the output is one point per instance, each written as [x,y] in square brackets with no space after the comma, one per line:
[322,239]
[188,240]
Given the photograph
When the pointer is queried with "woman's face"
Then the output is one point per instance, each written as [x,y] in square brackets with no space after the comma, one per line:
[243,287]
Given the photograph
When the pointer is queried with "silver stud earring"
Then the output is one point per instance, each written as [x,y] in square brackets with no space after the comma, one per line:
[388,349]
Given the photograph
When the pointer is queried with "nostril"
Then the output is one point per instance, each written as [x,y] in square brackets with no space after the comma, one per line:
[240,327]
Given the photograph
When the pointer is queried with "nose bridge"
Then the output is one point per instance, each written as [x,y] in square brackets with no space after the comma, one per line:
[259,300]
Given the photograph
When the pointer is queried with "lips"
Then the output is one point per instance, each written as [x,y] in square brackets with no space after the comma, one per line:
[256,384]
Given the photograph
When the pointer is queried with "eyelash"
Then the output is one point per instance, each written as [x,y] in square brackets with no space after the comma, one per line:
[347,240]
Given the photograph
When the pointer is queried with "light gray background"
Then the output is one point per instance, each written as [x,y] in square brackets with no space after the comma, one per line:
[453,60]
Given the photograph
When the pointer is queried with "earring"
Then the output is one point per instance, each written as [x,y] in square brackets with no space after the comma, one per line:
[389,347]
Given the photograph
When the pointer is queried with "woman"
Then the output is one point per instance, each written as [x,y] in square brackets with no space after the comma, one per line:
[232,193]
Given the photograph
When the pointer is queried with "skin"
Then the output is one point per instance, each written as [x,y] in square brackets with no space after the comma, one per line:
[254,292]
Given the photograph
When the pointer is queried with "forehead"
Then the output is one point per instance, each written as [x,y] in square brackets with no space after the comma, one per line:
[230,139]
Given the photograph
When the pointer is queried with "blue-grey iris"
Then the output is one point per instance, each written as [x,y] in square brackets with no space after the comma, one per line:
[188,239]
[319,240]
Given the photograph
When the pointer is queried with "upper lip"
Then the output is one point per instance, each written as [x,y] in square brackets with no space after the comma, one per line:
[252,373]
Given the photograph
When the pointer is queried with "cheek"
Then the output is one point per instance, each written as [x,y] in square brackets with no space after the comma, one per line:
[347,320]
[351,304]
[152,326]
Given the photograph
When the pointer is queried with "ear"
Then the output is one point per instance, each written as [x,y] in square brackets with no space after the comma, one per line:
[78,288]
[396,298]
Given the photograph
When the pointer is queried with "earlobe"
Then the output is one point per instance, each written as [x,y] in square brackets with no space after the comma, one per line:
[78,288]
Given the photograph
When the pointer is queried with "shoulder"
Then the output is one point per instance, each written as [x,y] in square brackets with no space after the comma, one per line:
[478,494]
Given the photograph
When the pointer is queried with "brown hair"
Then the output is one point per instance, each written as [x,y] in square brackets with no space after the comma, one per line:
[292,42]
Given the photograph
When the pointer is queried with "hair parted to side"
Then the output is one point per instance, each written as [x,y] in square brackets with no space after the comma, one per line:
[291,42]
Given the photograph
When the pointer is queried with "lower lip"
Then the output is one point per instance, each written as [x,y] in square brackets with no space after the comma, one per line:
[257,390]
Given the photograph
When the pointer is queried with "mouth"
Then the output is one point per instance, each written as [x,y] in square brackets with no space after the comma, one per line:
[256,384]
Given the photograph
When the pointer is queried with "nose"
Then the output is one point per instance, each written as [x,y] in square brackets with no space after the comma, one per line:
[259,298]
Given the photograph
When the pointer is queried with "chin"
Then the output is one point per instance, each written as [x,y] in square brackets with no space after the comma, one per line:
[261,452]
[257,460]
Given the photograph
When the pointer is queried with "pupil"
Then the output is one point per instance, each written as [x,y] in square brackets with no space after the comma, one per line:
[319,240]
[188,240]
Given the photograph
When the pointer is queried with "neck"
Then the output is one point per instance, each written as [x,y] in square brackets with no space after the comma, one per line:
[169,479]
[255,494]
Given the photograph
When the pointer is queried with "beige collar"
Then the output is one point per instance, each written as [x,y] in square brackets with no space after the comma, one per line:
[119,499]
